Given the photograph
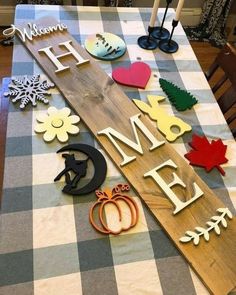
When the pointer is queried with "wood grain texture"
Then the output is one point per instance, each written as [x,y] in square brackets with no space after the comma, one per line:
[101,103]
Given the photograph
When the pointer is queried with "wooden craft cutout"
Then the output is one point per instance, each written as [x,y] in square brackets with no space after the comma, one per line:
[105,46]
[137,75]
[70,52]
[206,154]
[135,121]
[29,89]
[79,169]
[165,122]
[179,98]
[212,225]
[101,103]
[112,197]
[33,31]
[57,124]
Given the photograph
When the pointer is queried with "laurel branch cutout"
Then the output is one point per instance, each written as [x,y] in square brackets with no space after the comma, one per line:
[213,224]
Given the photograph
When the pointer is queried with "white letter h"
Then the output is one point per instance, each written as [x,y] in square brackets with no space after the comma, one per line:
[55,58]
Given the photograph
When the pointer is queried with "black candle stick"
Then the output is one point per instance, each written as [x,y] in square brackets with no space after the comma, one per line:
[169,45]
[160,32]
[147,42]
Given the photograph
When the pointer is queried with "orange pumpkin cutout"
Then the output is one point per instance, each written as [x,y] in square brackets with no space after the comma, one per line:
[108,197]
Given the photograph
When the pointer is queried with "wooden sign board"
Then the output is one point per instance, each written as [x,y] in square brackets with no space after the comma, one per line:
[142,156]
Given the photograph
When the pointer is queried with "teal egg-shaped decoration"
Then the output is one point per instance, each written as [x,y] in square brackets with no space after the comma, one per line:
[105,46]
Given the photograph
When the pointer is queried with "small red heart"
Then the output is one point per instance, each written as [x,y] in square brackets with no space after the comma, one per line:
[137,75]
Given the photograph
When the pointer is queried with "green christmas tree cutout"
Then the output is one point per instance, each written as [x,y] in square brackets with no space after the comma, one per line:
[179,98]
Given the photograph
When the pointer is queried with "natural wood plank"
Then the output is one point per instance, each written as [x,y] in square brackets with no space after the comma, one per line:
[101,103]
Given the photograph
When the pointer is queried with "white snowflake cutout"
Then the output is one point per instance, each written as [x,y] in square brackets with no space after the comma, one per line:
[29,89]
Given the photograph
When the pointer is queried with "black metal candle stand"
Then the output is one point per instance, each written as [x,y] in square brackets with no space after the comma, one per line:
[148,42]
[169,45]
[161,33]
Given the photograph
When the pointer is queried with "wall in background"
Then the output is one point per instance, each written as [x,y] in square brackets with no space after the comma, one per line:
[190,16]
[6,2]
[188,3]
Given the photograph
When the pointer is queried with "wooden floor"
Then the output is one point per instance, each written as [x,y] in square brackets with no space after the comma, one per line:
[204,52]
[5,61]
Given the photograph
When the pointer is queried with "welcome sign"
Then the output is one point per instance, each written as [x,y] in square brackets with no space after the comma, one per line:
[183,204]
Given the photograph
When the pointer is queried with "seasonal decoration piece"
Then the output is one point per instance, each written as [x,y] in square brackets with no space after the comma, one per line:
[165,122]
[206,154]
[113,197]
[57,123]
[179,98]
[105,46]
[29,89]
[213,224]
[76,169]
[137,75]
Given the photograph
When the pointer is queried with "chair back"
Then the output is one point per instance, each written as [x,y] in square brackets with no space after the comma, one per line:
[226,60]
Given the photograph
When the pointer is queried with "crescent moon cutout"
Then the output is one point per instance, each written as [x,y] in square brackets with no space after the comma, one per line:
[100,168]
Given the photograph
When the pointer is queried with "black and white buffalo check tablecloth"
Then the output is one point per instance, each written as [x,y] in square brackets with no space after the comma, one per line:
[47,243]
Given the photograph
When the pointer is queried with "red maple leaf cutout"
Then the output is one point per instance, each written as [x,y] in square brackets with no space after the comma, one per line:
[206,154]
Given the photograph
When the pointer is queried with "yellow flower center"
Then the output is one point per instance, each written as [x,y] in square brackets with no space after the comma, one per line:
[57,123]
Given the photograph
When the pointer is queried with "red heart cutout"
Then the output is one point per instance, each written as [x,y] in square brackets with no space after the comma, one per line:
[137,75]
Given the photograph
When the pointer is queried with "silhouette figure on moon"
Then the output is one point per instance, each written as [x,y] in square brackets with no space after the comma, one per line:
[79,169]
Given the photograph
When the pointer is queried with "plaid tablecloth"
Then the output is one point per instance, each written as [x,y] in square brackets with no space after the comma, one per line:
[47,243]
